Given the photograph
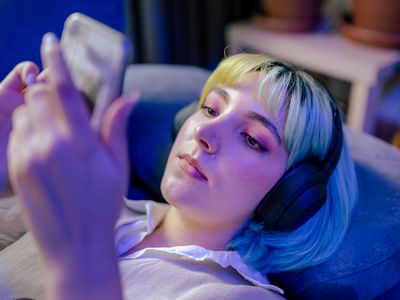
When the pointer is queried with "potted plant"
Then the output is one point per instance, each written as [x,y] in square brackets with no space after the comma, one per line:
[289,15]
[374,22]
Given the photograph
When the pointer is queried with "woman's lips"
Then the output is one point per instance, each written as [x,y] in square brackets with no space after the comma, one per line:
[191,167]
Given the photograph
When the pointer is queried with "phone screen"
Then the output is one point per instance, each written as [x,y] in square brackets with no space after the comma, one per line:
[97,56]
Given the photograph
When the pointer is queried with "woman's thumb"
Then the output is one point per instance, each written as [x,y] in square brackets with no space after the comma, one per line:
[114,126]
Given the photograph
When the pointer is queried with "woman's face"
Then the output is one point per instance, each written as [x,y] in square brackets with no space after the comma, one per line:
[226,157]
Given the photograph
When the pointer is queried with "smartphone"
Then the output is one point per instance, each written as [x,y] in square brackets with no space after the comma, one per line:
[97,56]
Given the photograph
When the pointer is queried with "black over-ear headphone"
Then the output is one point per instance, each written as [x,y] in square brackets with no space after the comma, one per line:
[301,191]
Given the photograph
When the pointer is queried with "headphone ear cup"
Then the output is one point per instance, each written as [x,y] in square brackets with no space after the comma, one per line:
[299,194]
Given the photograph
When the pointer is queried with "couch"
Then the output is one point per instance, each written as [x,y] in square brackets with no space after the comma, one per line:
[367,263]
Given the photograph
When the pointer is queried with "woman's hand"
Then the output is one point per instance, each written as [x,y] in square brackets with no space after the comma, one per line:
[71,181]
[11,96]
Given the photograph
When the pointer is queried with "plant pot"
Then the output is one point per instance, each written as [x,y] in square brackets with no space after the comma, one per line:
[382,15]
[375,23]
[290,15]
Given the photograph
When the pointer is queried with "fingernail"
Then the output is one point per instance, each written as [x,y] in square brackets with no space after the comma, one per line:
[49,41]
[30,79]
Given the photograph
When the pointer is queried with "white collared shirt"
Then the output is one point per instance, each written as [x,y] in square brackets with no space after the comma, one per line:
[140,218]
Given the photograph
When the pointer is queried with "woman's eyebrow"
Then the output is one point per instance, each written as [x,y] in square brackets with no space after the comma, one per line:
[221,92]
[251,115]
[266,123]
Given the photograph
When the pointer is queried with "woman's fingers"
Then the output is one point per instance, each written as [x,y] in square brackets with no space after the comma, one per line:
[20,138]
[68,98]
[9,101]
[42,77]
[11,88]
[22,75]
[44,112]
[114,128]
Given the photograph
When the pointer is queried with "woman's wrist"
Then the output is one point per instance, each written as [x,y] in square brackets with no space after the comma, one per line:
[86,273]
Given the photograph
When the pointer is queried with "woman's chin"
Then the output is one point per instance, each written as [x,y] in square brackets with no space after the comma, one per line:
[171,189]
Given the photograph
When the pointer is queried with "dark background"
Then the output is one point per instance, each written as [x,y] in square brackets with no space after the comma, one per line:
[24,22]
[163,31]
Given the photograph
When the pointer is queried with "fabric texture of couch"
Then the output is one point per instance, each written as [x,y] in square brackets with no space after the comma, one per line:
[367,263]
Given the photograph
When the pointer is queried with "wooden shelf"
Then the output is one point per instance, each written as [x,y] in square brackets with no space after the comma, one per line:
[365,67]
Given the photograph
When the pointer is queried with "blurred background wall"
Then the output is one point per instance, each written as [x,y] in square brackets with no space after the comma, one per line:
[163,31]
[23,23]
[183,31]
[192,31]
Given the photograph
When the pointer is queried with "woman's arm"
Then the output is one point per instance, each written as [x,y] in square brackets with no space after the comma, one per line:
[91,272]
[70,181]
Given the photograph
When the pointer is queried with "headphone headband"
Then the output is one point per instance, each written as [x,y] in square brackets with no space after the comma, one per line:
[333,155]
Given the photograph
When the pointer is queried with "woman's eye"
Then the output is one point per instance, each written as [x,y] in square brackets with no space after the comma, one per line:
[252,142]
[209,111]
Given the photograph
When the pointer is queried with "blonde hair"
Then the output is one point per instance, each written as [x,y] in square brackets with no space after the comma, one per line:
[304,104]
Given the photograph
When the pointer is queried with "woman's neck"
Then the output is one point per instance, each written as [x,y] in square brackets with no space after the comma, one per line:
[178,230]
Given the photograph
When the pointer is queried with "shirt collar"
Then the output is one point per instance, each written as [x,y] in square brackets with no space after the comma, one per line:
[140,217]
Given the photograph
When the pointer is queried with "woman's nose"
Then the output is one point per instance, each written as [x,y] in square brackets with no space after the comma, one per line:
[206,137]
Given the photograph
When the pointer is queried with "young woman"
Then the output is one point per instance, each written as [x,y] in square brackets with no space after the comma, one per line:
[259,180]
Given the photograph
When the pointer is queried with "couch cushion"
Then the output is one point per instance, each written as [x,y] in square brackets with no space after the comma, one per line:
[165,83]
